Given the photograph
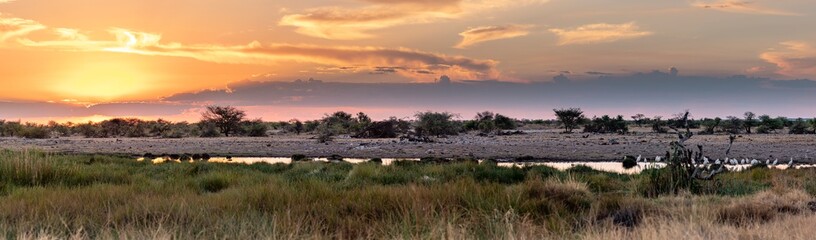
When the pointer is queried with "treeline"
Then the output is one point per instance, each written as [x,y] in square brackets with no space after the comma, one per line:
[573,118]
[227,121]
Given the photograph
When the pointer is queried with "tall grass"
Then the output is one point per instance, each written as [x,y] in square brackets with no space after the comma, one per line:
[66,196]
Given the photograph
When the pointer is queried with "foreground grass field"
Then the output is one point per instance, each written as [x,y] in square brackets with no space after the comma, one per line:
[83,196]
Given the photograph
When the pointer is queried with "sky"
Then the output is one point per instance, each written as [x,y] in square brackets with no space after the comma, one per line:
[81,60]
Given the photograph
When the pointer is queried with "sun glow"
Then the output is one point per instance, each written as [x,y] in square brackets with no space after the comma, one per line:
[101,81]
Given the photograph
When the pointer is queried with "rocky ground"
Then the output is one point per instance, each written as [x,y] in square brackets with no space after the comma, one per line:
[547,145]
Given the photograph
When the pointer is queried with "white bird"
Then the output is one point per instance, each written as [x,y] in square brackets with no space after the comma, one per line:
[734,162]
[775,162]
[717,162]
[658,158]
[790,164]
[754,162]
[744,161]
[638,158]
[767,161]
[693,161]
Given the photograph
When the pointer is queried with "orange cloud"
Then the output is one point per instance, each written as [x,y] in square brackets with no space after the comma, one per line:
[736,6]
[408,61]
[796,59]
[599,33]
[350,24]
[478,35]
[11,27]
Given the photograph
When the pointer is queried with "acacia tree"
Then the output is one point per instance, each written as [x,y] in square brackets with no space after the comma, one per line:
[296,125]
[226,119]
[639,119]
[570,118]
[750,122]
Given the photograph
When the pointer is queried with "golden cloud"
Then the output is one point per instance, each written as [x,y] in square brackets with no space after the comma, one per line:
[736,6]
[478,35]
[599,33]
[408,60]
[11,27]
[796,59]
[350,24]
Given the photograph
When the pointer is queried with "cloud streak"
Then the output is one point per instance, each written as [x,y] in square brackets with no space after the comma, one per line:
[599,33]
[357,23]
[407,61]
[482,34]
[736,6]
[796,59]
[12,27]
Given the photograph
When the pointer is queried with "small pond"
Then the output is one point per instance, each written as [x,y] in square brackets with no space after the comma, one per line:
[615,167]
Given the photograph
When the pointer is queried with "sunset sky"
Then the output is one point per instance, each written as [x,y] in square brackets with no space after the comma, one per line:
[85,60]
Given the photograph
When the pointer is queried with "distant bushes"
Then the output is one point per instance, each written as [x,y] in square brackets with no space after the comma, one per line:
[230,121]
[390,128]
[489,122]
[606,124]
[436,124]
[35,131]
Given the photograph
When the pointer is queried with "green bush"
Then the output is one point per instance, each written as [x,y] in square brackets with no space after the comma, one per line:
[606,124]
[33,131]
[435,124]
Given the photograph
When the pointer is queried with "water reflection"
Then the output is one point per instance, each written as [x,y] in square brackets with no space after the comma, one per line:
[614,167]
[284,160]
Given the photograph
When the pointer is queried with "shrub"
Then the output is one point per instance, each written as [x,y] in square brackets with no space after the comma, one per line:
[488,122]
[324,133]
[9,129]
[768,124]
[34,131]
[659,126]
[296,126]
[799,127]
[607,124]
[384,129]
[256,128]
[208,129]
[484,122]
[710,125]
[435,124]
[733,125]
[762,129]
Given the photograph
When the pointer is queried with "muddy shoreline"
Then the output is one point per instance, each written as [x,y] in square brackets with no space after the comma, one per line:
[541,146]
